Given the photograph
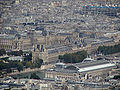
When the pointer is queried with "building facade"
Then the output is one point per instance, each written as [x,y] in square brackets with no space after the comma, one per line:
[93,71]
[13,42]
[39,52]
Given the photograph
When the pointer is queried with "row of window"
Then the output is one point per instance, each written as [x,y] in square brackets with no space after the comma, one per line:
[6,47]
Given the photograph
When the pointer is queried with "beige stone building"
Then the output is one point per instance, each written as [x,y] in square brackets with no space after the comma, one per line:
[60,38]
[39,52]
[26,42]
[8,42]
[12,42]
[31,40]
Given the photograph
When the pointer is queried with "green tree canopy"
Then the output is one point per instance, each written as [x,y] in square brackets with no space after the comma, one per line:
[16,53]
[109,49]
[73,57]
[20,66]
[2,52]
[28,64]
[38,63]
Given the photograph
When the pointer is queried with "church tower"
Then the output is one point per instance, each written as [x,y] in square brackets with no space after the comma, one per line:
[39,52]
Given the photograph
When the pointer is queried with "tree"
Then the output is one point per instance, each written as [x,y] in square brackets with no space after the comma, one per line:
[73,57]
[116,77]
[2,52]
[67,58]
[16,53]
[60,57]
[9,70]
[28,64]
[38,63]
[20,66]
[109,49]
[20,52]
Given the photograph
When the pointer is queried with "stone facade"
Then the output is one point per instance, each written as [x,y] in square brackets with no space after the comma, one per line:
[12,42]
[39,52]
[8,42]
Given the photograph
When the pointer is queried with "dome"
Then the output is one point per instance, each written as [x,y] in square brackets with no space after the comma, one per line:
[59,65]
[71,67]
[88,60]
